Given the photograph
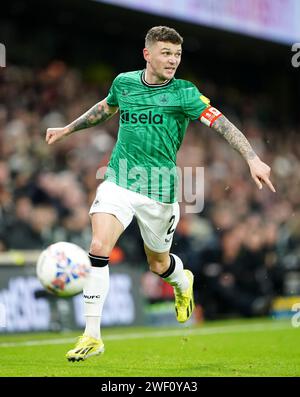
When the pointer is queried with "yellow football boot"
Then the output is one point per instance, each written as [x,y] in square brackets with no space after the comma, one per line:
[85,348]
[184,301]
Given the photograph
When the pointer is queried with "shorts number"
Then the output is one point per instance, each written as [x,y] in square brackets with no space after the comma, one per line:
[172,220]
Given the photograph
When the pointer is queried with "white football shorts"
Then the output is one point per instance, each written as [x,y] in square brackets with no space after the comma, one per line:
[157,221]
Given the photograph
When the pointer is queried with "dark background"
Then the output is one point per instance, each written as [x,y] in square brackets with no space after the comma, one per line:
[61,59]
[87,33]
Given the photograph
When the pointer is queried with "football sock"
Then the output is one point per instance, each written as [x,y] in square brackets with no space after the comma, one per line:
[175,275]
[94,294]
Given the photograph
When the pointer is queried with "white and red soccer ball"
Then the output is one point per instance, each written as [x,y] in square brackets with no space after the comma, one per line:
[62,268]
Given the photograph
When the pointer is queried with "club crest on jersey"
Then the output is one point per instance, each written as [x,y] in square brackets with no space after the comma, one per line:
[163,99]
[128,117]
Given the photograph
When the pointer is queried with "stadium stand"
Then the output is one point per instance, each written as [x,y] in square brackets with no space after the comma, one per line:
[241,247]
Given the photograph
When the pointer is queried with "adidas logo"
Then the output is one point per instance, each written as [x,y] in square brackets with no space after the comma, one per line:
[189,309]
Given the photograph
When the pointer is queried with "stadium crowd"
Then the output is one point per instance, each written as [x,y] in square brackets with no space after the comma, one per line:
[241,246]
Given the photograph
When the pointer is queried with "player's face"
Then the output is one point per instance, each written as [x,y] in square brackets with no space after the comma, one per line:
[163,59]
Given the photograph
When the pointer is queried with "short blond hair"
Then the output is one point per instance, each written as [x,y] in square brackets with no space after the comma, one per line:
[162,33]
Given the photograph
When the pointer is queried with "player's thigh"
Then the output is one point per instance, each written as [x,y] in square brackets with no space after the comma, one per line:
[111,213]
[106,231]
[157,223]
[112,199]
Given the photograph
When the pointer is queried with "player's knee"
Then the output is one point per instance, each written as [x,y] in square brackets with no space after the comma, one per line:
[157,266]
[100,247]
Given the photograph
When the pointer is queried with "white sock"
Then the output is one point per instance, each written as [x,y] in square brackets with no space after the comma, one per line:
[177,278]
[94,294]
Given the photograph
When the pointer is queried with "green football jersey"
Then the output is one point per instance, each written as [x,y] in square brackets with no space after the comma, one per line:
[153,122]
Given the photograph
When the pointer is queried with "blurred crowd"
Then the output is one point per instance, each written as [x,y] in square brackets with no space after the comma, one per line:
[243,246]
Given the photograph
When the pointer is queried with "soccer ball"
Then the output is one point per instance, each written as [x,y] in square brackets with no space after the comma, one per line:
[62,268]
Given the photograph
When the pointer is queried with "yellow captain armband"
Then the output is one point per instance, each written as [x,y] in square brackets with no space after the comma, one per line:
[204,99]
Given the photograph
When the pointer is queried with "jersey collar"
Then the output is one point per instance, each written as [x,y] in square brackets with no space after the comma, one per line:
[153,85]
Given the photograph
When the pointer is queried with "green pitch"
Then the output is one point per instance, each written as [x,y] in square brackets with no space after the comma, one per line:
[228,348]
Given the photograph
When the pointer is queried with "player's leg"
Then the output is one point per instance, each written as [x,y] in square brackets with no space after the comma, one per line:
[170,268]
[106,231]
[157,223]
[110,215]
[166,266]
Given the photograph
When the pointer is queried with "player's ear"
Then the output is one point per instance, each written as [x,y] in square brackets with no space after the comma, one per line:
[146,54]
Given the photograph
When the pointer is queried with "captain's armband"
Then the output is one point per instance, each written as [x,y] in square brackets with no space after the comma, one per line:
[209,116]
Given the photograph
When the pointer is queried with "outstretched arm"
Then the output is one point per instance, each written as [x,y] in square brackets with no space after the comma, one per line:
[234,137]
[260,171]
[95,115]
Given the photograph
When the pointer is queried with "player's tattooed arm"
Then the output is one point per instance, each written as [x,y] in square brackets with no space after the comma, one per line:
[260,171]
[96,115]
[234,137]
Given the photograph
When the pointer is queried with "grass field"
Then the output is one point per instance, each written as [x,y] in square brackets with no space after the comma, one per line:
[229,348]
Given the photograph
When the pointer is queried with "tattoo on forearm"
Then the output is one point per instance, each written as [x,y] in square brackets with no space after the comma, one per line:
[97,114]
[234,137]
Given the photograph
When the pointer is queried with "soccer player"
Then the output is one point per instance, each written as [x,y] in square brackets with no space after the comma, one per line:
[155,109]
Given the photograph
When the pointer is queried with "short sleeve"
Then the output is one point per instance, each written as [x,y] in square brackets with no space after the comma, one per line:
[112,98]
[193,102]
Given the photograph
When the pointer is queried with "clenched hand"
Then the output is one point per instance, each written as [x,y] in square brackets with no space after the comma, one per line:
[55,134]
